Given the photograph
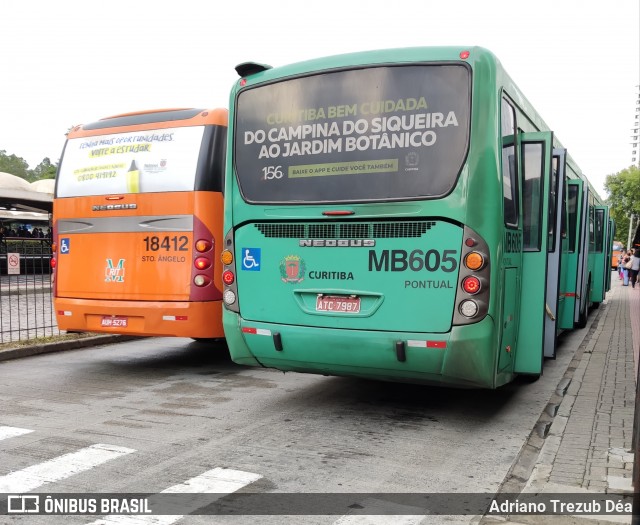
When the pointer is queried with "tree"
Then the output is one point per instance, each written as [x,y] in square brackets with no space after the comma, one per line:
[18,166]
[44,170]
[14,165]
[624,199]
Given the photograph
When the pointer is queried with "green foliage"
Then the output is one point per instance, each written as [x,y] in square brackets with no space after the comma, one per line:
[14,165]
[624,199]
[19,167]
[45,170]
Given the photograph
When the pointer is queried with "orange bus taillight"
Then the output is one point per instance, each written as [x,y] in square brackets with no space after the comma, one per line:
[202,263]
[201,280]
[203,245]
[53,262]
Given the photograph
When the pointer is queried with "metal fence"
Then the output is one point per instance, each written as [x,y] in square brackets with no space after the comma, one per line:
[26,309]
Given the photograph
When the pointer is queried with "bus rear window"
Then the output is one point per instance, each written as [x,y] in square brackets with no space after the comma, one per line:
[133,162]
[360,135]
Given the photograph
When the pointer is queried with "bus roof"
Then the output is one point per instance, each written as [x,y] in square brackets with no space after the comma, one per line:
[152,119]
[257,73]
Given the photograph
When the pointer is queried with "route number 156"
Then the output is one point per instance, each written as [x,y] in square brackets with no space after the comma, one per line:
[271,172]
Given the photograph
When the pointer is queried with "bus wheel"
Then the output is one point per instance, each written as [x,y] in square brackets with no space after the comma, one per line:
[582,317]
[530,378]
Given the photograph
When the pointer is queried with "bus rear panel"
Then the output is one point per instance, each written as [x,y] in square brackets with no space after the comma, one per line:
[138,225]
[395,215]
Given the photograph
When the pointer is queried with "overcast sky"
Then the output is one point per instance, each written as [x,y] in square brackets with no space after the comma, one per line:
[72,62]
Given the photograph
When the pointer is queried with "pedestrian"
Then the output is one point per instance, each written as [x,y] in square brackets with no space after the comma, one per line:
[635,268]
[626,264]
[620,265]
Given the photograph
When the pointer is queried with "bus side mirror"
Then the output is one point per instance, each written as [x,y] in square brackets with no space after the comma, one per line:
[251,68]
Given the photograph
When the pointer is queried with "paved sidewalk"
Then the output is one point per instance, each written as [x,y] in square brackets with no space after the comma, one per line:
[588,448]
[16,352]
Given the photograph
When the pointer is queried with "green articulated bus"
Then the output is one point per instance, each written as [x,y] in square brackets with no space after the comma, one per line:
[403,215]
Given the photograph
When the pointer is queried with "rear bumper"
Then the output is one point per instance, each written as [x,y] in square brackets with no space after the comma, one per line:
[146,318]
[465,356]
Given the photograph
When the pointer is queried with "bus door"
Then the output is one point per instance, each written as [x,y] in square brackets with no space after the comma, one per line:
[609,249]
[601,262]
[570,271]
[582,299]
[555,199]
[536,153]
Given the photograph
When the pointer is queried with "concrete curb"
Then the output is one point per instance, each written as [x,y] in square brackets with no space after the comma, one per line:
[60,346]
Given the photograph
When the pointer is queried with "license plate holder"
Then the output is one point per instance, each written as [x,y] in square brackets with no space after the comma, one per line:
[113,322]
[338,304]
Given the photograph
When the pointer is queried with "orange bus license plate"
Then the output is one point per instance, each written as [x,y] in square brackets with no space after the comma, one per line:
[114,322]
[334,303]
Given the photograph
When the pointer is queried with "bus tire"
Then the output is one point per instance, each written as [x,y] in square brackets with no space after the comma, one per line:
[530,378]
[582,318]
[584,311]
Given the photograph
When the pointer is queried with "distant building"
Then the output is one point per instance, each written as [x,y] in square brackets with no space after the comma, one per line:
[635,136]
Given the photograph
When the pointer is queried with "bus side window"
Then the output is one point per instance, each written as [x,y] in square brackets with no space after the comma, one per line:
[572,205]
[592,228]
[553,202]
[532,163]
[599,233]
[509,165]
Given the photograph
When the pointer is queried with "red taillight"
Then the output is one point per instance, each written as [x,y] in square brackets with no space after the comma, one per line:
[202,263]
[228,277]
[337,213]
[464,55]
[471,285]
[52,262]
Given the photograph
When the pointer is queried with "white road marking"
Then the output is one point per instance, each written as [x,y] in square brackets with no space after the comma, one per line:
[9,432]
[59,468]
[216,481]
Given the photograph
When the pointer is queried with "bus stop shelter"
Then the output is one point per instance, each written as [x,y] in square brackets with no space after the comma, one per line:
[18,194]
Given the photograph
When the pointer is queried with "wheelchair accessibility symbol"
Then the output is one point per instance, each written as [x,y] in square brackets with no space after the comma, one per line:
[251,259]
[65,245]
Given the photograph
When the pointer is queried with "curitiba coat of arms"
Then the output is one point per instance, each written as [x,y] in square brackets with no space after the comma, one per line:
[292,269]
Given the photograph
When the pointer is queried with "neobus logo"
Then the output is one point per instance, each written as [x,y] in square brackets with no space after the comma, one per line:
[340,243]
[105,207]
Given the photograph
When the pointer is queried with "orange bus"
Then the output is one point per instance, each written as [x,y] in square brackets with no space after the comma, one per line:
[137,225]
[616,250]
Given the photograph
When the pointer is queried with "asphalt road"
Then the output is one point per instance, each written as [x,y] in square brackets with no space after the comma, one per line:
[163,414]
